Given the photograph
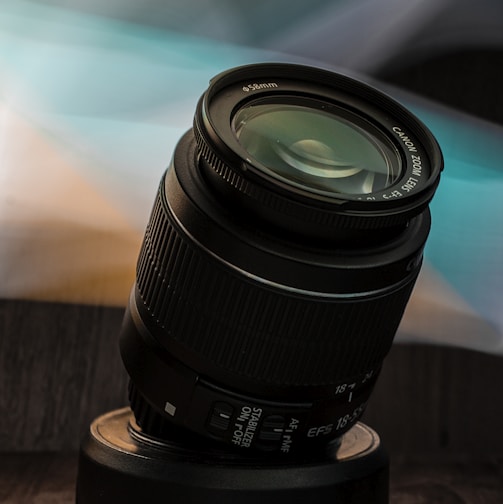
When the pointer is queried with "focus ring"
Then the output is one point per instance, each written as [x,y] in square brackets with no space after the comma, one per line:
[245,328]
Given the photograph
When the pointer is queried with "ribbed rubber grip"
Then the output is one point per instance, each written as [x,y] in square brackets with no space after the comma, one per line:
[245,327]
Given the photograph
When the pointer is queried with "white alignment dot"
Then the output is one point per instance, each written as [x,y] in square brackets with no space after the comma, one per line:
[170,409]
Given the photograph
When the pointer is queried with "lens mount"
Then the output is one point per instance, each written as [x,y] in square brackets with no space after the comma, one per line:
[338,154]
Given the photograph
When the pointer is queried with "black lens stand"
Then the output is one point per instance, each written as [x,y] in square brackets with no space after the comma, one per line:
[120,464]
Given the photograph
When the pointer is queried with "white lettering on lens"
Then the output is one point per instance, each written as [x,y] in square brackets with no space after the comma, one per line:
[258,87]
[405,139]
[409,185]
[368,376]
[245,414]
[322,430]
[286,443]
[350,418]
[393,194]
[417,167]
[286,440]
[246,425]
[344,387]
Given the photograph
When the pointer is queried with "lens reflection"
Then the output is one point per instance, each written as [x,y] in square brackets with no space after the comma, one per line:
[314,149]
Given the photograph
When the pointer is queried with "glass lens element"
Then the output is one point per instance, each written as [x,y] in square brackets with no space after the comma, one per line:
[316,150]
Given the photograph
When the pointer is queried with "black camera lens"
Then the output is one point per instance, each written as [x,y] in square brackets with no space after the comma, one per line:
[284,243]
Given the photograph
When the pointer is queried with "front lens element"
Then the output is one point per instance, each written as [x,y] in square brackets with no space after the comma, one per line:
[316,149]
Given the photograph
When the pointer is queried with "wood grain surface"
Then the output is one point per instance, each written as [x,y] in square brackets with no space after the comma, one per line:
[59,368]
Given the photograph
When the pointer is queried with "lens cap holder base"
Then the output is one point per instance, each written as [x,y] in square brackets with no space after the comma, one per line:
[118,464]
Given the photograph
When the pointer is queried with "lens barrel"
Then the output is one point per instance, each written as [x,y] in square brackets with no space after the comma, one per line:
[284,243]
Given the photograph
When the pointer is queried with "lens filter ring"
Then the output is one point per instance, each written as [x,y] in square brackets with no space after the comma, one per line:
[307,149]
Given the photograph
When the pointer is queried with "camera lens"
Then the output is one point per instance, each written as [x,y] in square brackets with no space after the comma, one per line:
[282,248]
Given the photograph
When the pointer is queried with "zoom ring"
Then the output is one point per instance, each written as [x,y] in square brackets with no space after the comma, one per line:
[244,328]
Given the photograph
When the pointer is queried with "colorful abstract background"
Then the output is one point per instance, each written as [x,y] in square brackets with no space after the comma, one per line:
[95,95]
